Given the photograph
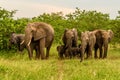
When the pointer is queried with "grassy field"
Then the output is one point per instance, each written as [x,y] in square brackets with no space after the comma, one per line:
[14,66]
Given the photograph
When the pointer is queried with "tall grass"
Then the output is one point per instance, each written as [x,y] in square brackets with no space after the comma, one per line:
[14,66]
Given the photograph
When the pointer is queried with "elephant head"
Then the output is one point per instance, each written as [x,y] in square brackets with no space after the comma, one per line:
[84,40]
[33,32]
[107,36]
[111,35]
[13,38]
[70,38]
[16,39]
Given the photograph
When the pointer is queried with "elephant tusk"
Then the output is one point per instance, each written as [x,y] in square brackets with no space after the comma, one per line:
[29,43]
[22,42]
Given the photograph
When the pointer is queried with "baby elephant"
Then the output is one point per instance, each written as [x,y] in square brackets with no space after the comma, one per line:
[62,52]
[76,51]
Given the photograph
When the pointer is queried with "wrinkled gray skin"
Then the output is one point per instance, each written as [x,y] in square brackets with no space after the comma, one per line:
[103,37]
[88,41]
[39,32]
[16,39]
[70,38]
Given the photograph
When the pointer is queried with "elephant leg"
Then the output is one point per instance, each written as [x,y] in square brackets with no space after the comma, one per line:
[61,53]
[47,52]
[95,53]
[37,52]
[90,53]
[41,47]
[101,52]
[30,52]
[82,57]
[105,51]
[87,53]
[70,52]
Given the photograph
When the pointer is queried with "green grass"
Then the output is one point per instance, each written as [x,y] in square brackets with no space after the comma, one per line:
[14,66]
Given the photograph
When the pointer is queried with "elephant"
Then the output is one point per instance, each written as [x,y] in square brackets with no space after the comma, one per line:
[88,41]
[70,39]
[40,33]
[16,39]
[103,37]
[74,50]
[61,51]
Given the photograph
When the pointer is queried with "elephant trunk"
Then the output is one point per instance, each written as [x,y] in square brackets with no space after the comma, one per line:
[83,48]
[68,44]
[28,37]
[105,48]
[28,40]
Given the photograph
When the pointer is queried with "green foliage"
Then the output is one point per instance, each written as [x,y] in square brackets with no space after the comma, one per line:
[82,20]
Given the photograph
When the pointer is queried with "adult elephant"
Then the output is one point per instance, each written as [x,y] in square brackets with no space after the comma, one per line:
[88,41]
[70,39]
[103,37]
[41,33]
[16,39]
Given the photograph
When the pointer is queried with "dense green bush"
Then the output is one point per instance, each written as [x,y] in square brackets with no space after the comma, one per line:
[80,19]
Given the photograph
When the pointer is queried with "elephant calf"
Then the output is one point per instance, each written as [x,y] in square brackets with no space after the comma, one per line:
[62,52]
[76,51]
[88,41]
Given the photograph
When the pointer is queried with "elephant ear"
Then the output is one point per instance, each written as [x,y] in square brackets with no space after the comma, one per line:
[111,35]
[39,34]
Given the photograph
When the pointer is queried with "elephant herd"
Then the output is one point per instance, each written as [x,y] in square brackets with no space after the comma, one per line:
[40,35]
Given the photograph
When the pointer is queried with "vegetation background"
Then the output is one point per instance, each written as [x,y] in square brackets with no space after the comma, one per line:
[14,66]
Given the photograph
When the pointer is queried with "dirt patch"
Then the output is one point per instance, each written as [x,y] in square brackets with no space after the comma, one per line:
[60,70]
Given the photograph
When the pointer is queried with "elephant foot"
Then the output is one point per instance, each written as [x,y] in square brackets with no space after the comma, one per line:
[96,57]
[104,57]
[43,57]
[81,60]
[46,58]
[36,58]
